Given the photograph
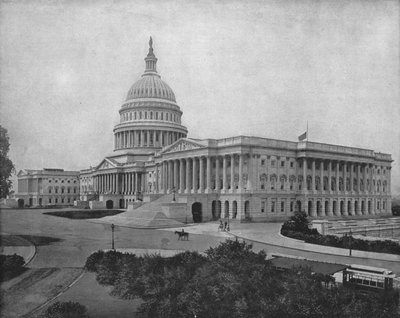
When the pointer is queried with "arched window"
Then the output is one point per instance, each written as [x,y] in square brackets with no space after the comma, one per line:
[326,185]
[145,115]
[300,182]
[134,115]
[282,181]
[162,116]
[130,116]
[166,116]
[50,189]
[273,182]
[317,183]
[340,184]
[292,180]
[62,189]
[309,182]
[140,115]
[156,115]
[263,181]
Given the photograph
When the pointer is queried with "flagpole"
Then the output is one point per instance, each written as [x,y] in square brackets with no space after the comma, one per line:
[307,131]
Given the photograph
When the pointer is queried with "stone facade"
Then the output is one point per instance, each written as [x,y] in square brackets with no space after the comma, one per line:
[47,187]
[240,177]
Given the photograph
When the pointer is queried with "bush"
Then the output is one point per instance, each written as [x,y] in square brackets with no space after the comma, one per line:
[11,266]
[66,310]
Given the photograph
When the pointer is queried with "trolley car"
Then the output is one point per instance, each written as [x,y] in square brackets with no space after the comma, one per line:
[368,277]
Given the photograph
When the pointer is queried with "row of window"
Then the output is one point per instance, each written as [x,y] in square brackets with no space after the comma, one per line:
[280,206]
[61,200]
[377,186]
[62,189]
[150,115]
[62,181]
[275,207]
[282,164]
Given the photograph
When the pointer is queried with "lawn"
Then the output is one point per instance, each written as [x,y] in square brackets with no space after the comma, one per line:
[84,214]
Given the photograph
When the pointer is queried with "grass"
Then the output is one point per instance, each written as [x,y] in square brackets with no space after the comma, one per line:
[84,214]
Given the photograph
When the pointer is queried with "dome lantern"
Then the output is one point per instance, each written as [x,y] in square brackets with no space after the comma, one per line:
[151,60]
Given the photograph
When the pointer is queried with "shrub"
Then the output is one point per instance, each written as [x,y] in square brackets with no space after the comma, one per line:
[10,266]
[66,310]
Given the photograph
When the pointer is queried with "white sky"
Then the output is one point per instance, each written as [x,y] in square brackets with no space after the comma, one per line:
[259,68]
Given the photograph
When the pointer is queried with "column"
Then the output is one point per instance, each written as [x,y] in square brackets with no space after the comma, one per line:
[169,177]
[187,175]
[194,178]
[313,177]
[176,175]
[201,187]
[351,177]
[156,183]
[321,168]
[365,177]
[358,178]
[224,167]
[304,174]
[232,172]
[217,185]
[329,175]
[337,176]
[181,176]
[208,174]
[240,186]
[141,138]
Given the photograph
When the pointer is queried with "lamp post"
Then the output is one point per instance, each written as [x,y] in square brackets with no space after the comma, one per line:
[112,236]
[350,238]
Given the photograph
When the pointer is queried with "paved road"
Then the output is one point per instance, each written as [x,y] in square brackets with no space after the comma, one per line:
[76,239]
[72,242]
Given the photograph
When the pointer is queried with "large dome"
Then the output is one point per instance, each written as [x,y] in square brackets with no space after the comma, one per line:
[151,86]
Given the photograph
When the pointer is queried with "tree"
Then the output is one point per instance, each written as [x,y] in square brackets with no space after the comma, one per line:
[6,165]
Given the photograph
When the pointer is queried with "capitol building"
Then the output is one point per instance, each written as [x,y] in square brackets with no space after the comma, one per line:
[156,164]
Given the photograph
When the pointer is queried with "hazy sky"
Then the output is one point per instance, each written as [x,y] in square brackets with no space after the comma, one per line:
[259,68]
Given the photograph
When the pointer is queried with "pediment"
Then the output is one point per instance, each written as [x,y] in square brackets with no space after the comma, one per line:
[105,165]
[182,145]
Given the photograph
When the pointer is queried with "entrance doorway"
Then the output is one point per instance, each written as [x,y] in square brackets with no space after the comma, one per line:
[21,203]
[196,212]
[109,204]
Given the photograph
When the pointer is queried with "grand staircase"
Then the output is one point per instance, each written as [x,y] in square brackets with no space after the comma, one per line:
[148,215]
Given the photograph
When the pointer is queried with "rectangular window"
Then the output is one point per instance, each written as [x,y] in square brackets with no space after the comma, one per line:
[291,164]
[262,206]
[272,206]
[50,200]
[282,206]
[272,163]
[282,163]
[263,162]
[291,206]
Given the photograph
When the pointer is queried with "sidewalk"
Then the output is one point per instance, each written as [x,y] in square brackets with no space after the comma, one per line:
[269,233]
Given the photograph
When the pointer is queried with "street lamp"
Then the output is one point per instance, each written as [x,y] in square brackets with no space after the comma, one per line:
[350,238]
[112,235]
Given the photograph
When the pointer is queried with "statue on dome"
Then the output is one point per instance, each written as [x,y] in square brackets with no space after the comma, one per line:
[151,43]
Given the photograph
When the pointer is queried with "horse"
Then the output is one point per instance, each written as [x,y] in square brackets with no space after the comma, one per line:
[182,235]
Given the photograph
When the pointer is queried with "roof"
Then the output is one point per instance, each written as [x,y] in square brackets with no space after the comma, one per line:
[316,267]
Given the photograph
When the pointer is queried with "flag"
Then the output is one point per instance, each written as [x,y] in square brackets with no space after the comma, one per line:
[303,136]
